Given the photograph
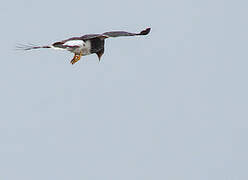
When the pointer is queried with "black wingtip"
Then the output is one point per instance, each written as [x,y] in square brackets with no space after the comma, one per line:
[145,32]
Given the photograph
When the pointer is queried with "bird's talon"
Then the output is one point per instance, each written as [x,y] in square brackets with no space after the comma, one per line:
[75,59]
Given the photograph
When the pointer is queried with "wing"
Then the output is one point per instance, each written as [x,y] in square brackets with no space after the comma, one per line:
[114,34]
[90,36]
[124,33]
[72,43]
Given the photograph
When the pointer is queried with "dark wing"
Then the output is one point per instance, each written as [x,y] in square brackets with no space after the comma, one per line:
[90,36]
[114,34]
[123,33]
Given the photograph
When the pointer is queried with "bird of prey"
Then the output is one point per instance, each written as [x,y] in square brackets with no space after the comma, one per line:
[85,45]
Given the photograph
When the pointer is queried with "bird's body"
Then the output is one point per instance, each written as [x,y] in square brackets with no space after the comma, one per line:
[87,44]
[76,46]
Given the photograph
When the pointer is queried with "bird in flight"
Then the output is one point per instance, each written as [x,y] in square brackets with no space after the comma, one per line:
[85,45]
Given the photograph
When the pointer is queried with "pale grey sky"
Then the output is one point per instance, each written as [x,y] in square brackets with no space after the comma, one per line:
[171,105]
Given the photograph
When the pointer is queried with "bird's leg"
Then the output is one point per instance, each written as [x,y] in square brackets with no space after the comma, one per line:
[76,58]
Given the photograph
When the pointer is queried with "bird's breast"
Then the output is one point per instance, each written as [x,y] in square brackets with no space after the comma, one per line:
[86,48]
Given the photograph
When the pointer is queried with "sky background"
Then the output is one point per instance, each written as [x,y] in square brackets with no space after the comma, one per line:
[172,105]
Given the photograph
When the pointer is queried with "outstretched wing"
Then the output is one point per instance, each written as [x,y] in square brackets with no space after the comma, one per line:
[124,33]
[114,34]
[90,36]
